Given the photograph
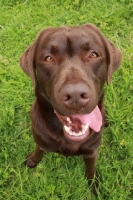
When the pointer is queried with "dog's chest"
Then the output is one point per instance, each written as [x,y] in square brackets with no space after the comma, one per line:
[63,148]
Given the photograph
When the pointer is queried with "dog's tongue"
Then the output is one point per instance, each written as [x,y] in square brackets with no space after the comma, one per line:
[79,122]
[94,119]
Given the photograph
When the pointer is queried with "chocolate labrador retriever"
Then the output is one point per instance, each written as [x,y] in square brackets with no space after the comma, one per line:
[68,67]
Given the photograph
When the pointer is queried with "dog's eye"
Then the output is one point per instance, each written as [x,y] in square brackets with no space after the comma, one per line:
[48,59]
[93,54]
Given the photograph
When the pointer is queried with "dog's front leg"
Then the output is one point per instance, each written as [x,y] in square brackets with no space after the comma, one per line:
[34,158]
[90,162]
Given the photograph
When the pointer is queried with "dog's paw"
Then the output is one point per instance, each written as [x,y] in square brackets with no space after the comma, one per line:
[30,162]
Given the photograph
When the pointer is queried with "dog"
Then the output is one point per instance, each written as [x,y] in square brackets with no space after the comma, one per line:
[68,67]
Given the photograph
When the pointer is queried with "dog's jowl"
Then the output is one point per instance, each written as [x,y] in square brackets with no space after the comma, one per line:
[69,67]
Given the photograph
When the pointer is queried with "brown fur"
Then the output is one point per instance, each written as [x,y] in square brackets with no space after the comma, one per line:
[70,67]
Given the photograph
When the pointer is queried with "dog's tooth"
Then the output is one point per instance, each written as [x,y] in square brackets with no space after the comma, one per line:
[83,131]
[80,133]
[67,129]
[75,134]
[85,127]
[72,133]
[68,119]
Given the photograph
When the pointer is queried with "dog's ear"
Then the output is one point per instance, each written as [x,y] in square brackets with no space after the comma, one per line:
[27,59]
[27,62]
[113,55]
[114,58]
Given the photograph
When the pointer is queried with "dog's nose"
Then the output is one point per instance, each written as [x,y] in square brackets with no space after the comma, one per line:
[75,96]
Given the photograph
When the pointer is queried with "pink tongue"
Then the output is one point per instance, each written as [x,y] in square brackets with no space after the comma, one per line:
[94,119]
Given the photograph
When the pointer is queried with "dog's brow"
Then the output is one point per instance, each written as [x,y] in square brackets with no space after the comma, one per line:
[85,46]
[54,49]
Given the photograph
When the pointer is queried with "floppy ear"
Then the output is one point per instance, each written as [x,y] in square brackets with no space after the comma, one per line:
[114,58]
[27,59]
[27,63]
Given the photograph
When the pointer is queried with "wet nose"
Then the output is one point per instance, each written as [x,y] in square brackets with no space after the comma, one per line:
[75,95]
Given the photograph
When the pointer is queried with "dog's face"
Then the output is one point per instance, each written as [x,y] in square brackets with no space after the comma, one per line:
[69,65]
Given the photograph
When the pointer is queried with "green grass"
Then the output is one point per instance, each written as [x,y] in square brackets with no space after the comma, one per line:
[58,178]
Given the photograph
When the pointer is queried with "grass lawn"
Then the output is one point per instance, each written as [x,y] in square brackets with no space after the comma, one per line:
[58,178]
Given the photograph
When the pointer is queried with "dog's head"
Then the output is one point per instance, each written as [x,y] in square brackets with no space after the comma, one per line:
[69,66]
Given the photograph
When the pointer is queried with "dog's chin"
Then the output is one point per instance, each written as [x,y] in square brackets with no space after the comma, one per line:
[78,126]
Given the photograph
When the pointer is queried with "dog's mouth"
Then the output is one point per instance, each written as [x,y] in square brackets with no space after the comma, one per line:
[77,127]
